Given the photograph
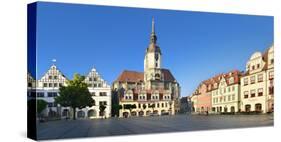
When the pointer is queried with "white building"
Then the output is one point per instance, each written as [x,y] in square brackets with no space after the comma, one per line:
[257,86]
[47,88]
[101,92]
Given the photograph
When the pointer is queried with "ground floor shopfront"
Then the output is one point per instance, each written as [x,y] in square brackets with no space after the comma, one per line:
[226,107]
[147,108]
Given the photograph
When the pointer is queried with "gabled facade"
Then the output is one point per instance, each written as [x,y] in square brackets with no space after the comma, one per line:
[101,92]
[226,97]
[257,86]
[47,88]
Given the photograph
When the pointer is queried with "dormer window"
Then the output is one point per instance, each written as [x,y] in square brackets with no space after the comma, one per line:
[253,67]
[50,77]
[231,80]
[258,66]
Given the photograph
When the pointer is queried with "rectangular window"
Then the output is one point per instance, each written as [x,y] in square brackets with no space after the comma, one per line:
[253,79]
[55,77]
[103,103]
[40,94]
[29,84]
[246,94]
[228,89]
[50,104]
[52,94]
[95,85]
[60,84]
[229,97]
[271,61]
[233,88]
[233,97]
[258,66]
[55,85]
[99,84]
[90,79]
[50,77]
[253,93]
[45,85]
[50,85]
[55,94]
[271,75]
[224,98]
[260,91]
[245,81]
[271,90]
[93,93]
[260,77]
[253,67]
[103,94]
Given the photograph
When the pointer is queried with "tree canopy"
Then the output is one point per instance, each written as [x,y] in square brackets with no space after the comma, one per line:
[41,105]
[75,94]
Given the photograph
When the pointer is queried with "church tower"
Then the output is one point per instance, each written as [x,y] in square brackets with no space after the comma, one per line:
[152,60]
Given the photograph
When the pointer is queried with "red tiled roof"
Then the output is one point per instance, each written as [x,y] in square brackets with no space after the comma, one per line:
[133,76]
[130,76]
[216,79]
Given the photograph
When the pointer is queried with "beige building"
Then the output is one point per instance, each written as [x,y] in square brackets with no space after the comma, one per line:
[152,92]
[226,93]
[257,86]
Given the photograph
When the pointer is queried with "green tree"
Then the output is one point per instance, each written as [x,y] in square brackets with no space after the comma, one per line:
[41,105]
[116,108]
[102,108]
[75,94]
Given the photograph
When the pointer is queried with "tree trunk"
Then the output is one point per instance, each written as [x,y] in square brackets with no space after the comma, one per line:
[74,113]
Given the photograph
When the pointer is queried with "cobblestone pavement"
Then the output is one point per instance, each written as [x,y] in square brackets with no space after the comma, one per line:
[147,125]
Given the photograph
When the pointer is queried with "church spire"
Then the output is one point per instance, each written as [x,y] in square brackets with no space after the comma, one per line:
[153,37]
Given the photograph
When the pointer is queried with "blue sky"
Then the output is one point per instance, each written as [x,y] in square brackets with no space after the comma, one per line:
[195,45]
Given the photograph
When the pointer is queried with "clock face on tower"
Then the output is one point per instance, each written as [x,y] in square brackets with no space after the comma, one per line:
[156,57]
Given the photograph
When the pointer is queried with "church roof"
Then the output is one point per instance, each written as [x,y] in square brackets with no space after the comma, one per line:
[130,76]
[134,76]
[168,76]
